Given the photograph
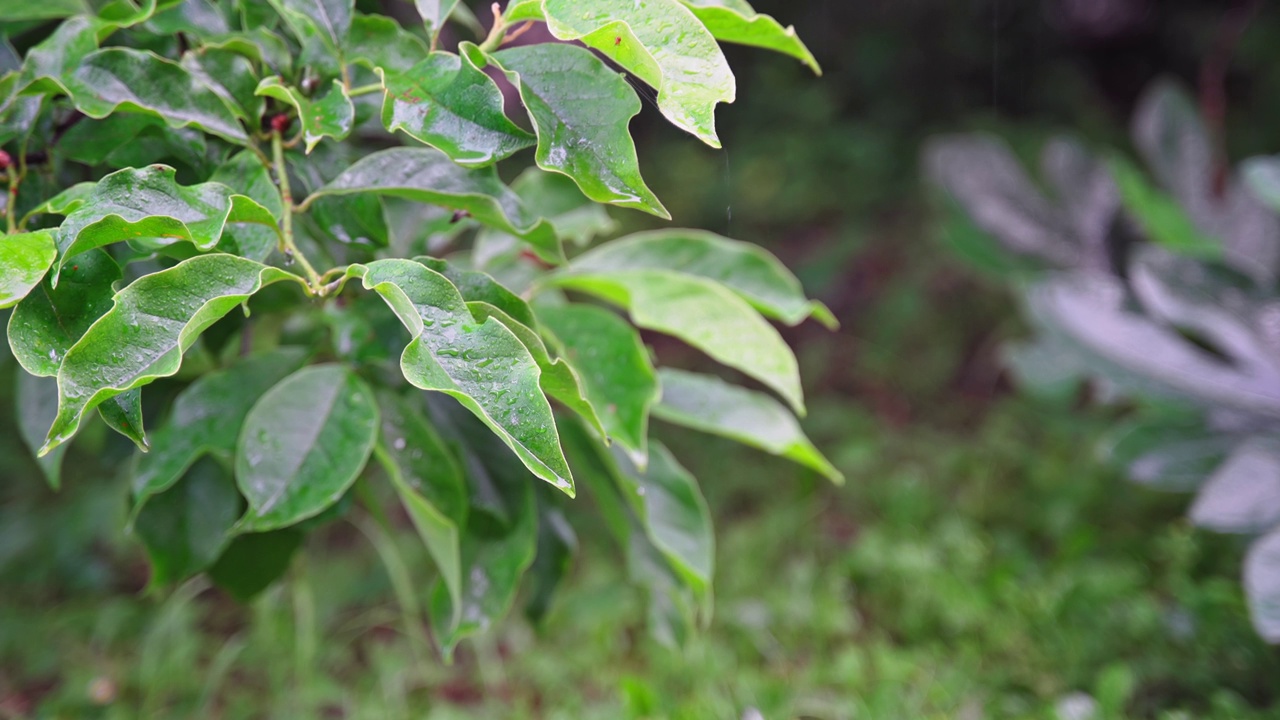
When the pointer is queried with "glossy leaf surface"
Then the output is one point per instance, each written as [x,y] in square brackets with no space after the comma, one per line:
[150,326]
[434,14]
[482,365]
[709,404]
[50,320]
[328,116]
[735,21]
[303,444]
[581,110]
[24,259]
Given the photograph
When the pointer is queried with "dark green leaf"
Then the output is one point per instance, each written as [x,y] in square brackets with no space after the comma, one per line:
[37,405]
[187,527]
[149,203]
[231,76]
[329,116]
[121,79]
[50,320]
[50,62]
[614,365]
[152,323]
[252,562]
[207,417]
[245,174]
[557,544]
[736,22]
[327,20]
[426,175]
[659,41]
[709,404]
[749,270]
[447,102]
[704,314]
[24,260]
[581,109]
[429,483]
[123,413]
[303,445]
[482,365]
[434,14]
[380,42]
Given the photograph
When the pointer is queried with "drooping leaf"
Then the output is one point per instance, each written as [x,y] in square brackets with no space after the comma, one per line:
[749,270]
[24,260]
[151,324]
[447,102]
[429,176]
[482,365]
[736,22]
[434,13]
[50,320]
[303,444]
[37,404]
[613,363]
[500,538]
[581,110]
[380,42]
[186,528]
[123,413]
[429,483]
[1243,495]
[704,314]
[120,79]
[150,204]
[329,116]
[206,419]
[659,41]
[1262,585]
[252,562]
[709,404]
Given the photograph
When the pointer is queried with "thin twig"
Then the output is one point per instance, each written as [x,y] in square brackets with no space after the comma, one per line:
[289,248]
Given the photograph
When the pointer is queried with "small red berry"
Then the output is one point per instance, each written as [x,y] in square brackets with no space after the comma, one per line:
[280,123]
[5,160]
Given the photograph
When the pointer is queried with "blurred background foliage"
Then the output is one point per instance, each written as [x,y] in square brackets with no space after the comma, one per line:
[979,563]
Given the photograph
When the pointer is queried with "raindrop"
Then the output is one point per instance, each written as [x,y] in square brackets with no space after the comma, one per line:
[399,443]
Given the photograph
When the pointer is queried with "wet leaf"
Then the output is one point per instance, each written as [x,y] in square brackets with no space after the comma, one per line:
[329,116]
[749,270]
[659,41]
[326,20]
[120,79]
[24,260]
[736,22]
[303,445]
[709,404]
[149,203]
[482,365]
[429,483]
[447,102]
[151,324]
[429,176]
[581,110]
[206,419]
[380,42]
[702,313]
[186,528]
[37,405]
[434,13]
[557,544]
[50,320]
[617,375]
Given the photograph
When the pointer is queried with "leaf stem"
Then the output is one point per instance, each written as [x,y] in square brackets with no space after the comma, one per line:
[290,249]
[496,33]
[12,203]
[364,89]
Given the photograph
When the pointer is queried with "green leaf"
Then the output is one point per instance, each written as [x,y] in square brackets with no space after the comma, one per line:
[330,116]
[23,10]
[252,562]
[259,45]
[581,110]
[662,43]
[303,445]
[123,413]
[149,203]
[736,22]
[246,175]
[558,199]
[380,42]
[151,324]
[704,314]
[24,260]
[326,20]
[557,544]
[709,404]
[434,13]
[429,483]
[187,527]
[482,365]
[112,139]
[119,79]
[50,62]
[45,325]
[749,270]
[1163,219]
[476,286]
[614,365]
[66,201]
[37,405]
[206,419]
[447,102]
[429,176]
[231,76]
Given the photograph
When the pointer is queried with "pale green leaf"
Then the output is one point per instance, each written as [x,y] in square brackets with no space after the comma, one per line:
[380,42]
[329,116]
[735,21]
[24,260]
[187,527]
